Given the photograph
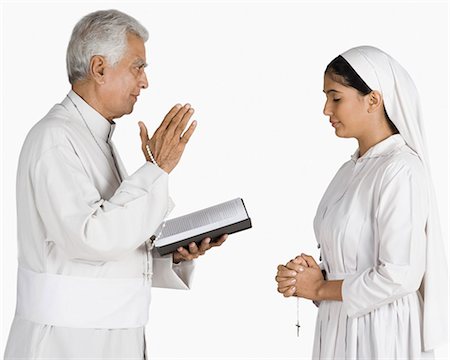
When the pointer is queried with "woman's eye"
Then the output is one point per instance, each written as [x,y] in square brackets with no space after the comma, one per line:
[336,100]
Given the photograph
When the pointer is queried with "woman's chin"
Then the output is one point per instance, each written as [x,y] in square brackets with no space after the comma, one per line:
[339,131]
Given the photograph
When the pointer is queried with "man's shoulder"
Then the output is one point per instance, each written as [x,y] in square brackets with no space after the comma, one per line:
[55,128]
[57,119]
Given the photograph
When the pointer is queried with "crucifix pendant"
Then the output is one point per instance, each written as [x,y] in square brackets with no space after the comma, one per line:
[298,317]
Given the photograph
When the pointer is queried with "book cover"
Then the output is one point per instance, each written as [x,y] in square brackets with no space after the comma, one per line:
[213,222]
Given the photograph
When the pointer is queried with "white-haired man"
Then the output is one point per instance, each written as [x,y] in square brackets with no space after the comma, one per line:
[86,262]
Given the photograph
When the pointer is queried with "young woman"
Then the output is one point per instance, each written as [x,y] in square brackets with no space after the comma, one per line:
[382,284]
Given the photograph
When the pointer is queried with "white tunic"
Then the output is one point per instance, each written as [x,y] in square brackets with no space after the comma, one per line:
[80,215]
[370,226]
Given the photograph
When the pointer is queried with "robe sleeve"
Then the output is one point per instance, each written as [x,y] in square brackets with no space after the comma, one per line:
[166,274]
[400,221]
[85,225]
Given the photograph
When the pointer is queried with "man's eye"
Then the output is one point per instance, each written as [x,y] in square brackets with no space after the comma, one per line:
[336,100]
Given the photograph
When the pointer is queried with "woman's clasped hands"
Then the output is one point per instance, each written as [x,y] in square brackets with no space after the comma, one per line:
[300,277]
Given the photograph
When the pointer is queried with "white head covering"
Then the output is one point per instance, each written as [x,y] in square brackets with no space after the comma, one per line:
[383,73]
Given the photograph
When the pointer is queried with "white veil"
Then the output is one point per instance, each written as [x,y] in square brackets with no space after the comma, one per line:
[383,73]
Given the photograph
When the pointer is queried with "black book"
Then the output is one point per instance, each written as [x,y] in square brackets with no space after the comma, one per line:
[213,222]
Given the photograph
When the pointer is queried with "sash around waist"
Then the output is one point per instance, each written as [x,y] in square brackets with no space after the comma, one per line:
[79,302]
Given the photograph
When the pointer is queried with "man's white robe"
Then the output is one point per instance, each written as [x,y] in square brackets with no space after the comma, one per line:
[80,215]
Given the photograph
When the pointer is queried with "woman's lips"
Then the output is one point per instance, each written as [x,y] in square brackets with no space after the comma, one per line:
[334,123]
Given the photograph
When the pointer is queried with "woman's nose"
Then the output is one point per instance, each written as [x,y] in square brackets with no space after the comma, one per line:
[327,109]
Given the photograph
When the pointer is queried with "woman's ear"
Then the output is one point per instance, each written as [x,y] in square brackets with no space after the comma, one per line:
[375,101]
[97,68]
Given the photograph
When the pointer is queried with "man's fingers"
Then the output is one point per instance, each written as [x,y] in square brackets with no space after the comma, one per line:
[183,252]
[220,241]
[177,118]
[188,133]
[184,121]
[193,248]
[310,261]
[168,118]
[205,245]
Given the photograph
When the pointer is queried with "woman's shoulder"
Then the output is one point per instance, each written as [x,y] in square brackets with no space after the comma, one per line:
[403,162]
[405,157]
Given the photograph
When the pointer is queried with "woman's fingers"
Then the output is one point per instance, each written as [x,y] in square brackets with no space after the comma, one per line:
[283,271]
[295,267]
[290,291]
[282,284]
[300,261]
[310,261]
[283,290]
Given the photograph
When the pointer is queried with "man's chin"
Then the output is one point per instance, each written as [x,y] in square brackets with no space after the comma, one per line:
[125,112]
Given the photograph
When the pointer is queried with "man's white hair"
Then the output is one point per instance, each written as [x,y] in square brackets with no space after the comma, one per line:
[102,33]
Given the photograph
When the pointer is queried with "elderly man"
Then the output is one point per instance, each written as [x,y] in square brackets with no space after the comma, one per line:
[86,262]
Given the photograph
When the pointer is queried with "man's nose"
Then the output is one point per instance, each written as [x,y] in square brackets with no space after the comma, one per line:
[143,82]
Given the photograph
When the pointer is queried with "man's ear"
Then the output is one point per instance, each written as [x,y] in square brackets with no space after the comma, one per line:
[375,101]
[97,68]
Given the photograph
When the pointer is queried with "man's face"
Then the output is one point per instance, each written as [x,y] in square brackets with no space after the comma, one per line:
[124,81]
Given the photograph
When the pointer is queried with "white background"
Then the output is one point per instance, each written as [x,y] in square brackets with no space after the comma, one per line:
[253,71]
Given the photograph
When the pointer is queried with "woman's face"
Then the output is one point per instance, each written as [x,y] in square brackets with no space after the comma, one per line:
[346,108]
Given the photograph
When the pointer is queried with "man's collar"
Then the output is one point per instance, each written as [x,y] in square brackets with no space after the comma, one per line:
[99,125]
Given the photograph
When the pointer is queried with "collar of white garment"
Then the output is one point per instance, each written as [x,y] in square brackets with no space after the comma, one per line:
[383,148]
[96,122]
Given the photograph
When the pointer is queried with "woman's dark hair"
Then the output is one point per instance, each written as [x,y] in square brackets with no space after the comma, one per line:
[342,72]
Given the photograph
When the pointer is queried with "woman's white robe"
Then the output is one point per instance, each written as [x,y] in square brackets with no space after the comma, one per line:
[79,214]
[370,226]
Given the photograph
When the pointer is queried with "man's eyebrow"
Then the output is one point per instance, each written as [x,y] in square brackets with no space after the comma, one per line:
[140,62]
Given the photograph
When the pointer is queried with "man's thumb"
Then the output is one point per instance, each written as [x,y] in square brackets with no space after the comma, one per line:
[143,131]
